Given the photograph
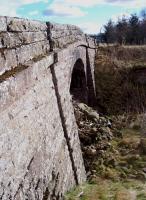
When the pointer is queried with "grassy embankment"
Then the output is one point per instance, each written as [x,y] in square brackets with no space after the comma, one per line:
[123,178]
[119,94]
[116,76]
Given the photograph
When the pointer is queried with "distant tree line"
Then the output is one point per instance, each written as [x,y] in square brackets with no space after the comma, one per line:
[130,31]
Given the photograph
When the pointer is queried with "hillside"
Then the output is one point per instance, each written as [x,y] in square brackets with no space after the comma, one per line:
[120,74]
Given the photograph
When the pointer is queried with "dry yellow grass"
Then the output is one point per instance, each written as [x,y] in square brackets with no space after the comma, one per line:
[114,77]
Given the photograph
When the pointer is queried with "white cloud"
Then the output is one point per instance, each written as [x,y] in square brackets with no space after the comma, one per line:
[9,7]
[58,9]
[81,3]
[91,3]
[90,27]
[73,8]
[127,3]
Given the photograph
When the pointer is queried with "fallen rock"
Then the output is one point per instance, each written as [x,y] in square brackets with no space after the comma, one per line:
[83,106]
[89,111]
[144,170]
[93,115]
[143,145]
[141,175]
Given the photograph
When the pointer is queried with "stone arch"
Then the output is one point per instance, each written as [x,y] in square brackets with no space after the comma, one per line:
[78,86]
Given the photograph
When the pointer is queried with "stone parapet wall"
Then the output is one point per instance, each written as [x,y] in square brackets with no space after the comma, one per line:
[63,35]
[21,40]
[40,155]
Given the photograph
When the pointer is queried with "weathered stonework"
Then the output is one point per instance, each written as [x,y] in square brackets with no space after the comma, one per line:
[29,52]
[23,25]
[40,155]
[63,35]
[10,40]
[8,60]
[3,25]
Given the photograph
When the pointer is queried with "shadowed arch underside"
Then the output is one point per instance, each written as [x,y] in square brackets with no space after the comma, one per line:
[78,86]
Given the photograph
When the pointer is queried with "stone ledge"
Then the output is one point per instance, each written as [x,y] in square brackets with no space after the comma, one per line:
[10,58]
[28,52]
[11,40]
[19,25]
[61,33]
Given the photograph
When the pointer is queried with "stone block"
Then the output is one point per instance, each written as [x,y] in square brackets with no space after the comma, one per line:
[31,51]
[18,25]
[30,37]
[91,42]
[3,25]
[62,42]
[73,27]
[8,60]
[58,27]
[11,40]
[59,33]
[10,92]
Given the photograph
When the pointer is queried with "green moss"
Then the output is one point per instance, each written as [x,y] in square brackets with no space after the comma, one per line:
[141,196]
[120,181]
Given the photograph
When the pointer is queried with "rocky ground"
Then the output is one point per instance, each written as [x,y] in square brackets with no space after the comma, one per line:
[114,152]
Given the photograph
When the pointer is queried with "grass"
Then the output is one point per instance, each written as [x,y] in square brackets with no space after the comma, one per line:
[115,79]
[124,181]
[103,189]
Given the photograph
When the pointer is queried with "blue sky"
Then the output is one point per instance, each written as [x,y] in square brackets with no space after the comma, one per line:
[89,15]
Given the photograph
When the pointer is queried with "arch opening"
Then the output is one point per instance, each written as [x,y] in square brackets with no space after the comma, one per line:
[78,86]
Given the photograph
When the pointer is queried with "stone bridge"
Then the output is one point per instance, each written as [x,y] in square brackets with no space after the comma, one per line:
[42,67]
